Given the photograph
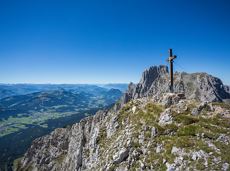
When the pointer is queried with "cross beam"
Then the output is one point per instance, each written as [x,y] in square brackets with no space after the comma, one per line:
[170,59]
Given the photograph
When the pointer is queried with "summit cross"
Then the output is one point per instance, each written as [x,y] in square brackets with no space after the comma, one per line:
[171,60]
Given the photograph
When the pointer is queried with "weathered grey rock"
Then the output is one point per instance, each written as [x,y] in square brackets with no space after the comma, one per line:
[166,117]
[200,86]
[122,168]
[195,112]
[178,161]
[171,167]
[159,148]
[155,82]
[65,148]
[153,132]
[224,139]
[112,126]
[46,149]
[142,165]
[170,99]
[128,94]
[150,77]
[221,111]
[225,167]
[175,150]
[121,155]
[203,106]
[141,137]
[227,89]
[199,155]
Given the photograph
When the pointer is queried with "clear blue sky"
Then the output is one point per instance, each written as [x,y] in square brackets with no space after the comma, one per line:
[83,41]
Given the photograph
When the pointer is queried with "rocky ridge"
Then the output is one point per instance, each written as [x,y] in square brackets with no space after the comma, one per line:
[149,129]
[199,86]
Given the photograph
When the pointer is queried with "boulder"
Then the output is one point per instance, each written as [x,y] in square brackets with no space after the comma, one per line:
[166,117]
[121,156]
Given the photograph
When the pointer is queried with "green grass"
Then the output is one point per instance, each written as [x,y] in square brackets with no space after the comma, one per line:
[221,104]
[148,115]
[15,124]
[135,143]
[217,120]
[188,130]
[186,119]
[112,168]
[225,151]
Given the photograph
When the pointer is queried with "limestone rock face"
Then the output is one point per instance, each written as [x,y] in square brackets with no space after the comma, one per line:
[46,149]
[66,148]
[199,86]
[154,81]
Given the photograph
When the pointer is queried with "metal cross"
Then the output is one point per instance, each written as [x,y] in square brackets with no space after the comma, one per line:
[170,59]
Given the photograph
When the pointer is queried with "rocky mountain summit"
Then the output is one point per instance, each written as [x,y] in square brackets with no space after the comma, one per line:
[198,86]
[148,129]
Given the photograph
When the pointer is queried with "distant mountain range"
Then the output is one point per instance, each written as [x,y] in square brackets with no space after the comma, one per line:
[7,90]
[122,86]
[56,100]
[29,111]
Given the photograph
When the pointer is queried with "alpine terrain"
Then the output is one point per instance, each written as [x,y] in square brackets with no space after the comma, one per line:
[149,128]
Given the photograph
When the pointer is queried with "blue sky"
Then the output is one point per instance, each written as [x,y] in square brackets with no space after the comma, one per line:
[88,41]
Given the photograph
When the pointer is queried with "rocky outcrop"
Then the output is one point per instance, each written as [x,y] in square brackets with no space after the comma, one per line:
[45,150]
[155,82]
[66,148]
[227,88]
[150,128]
[201,86]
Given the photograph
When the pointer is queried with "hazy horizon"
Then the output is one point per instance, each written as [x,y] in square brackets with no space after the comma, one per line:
[61,83]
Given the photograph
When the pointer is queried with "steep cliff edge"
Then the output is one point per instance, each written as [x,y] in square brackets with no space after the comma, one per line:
[150,129]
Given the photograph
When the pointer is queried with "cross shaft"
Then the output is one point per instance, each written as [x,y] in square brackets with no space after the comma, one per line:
[171,60]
